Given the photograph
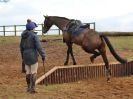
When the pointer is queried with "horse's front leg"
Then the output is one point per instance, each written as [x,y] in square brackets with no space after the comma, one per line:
[67,58]
[71,52]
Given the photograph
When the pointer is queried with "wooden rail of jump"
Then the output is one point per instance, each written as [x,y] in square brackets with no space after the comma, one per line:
[65,74]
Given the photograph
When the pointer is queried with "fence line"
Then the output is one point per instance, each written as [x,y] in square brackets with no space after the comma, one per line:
[7,30]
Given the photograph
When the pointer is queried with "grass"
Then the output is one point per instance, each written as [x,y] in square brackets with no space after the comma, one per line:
[9,39]
[50,88]
[51,37]
[122,42]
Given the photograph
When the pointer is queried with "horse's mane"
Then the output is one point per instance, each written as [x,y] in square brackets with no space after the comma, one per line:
[61,17]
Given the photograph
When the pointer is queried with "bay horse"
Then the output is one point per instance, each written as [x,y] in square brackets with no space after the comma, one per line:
[90,41]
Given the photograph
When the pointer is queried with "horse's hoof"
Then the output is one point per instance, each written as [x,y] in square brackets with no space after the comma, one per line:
[108,80]
[23,71]
[92,59]
[65,63]
[74,63]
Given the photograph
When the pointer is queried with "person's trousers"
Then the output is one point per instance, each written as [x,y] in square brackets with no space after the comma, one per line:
[31,69]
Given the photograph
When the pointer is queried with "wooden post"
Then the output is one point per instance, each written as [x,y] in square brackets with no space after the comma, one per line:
[15,30]
[4,30]
[94,26]
[59,31]
[42,29]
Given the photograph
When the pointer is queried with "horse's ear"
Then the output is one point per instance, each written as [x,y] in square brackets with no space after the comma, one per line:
[45,16]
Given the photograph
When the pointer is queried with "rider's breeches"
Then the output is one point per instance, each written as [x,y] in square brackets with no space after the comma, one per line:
[31,69]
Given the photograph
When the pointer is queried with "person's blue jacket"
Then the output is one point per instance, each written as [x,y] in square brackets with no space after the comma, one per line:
[30,46]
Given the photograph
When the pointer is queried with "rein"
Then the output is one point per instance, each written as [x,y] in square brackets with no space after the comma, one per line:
[67,25]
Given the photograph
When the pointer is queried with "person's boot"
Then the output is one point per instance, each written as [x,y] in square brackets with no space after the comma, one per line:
[28,76]
[33,80]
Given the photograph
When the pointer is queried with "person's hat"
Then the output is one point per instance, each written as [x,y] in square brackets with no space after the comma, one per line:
[31,25]
[28,20]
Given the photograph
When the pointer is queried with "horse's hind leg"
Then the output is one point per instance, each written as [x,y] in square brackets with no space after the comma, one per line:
[95,54]
[104,56]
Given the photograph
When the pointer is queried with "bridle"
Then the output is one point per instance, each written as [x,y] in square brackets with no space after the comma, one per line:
[45,25]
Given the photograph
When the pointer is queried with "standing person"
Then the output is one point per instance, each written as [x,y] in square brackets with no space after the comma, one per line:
[30,46]
[23,64]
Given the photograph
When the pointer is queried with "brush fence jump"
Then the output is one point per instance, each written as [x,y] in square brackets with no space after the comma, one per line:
[65,74]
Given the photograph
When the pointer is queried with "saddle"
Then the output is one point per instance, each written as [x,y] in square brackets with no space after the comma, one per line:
[75,27]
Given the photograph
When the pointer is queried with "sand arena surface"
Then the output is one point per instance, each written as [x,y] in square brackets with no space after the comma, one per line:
[13,85]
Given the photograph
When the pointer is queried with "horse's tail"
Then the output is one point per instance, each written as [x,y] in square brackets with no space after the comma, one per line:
[117,57]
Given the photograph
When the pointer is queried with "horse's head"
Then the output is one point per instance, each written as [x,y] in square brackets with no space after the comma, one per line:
[47,24]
